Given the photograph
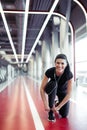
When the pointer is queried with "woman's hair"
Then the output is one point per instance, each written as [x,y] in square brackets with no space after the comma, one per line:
[63,56]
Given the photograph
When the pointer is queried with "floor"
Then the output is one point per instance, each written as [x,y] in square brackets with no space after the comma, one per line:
[21,108]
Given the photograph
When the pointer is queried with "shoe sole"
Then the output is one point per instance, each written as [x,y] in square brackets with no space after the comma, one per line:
[52,120]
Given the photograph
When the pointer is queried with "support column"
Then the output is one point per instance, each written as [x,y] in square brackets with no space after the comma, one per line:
[34,67]
[64,40]
[38,65]
[30,67]
[55,45]
[46,56]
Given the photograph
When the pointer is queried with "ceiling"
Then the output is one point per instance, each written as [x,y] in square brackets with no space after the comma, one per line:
[22,23]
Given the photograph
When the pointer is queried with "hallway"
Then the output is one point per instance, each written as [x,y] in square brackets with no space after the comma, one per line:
[21,108]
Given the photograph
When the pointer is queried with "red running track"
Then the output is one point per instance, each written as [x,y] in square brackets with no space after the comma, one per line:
[21,108]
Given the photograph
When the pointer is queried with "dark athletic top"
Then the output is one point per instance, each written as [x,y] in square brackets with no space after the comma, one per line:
[61,81]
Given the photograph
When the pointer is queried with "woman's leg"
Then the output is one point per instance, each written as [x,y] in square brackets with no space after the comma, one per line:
[64,110]
[51,98]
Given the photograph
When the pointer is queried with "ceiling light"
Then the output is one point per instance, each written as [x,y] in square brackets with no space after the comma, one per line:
[25,29]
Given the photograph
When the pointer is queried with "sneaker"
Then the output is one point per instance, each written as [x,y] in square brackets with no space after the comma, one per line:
[51,116]
[56,103]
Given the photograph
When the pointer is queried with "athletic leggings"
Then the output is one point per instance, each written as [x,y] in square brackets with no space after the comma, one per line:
[51,99]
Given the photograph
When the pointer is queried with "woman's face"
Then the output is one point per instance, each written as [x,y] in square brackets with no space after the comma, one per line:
[60,65]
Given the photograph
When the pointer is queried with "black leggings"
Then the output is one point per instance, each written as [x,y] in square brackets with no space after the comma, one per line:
[51,99]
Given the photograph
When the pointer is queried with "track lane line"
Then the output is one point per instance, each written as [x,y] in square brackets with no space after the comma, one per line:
[35,115]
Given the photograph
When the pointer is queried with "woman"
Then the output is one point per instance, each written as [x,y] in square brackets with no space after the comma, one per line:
[64,87]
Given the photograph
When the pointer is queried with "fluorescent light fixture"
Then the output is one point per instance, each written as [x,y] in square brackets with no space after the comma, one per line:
[25,29]
[23,12]
[8,33]
[42,29]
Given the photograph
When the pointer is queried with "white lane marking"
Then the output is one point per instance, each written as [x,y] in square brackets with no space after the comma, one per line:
[35,115]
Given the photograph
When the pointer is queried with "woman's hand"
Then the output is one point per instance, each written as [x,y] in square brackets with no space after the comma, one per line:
[57,108]
[46,107]
[53,109]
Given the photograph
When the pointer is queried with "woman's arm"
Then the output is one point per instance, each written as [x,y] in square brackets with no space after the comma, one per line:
[68,95]
[42,92]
